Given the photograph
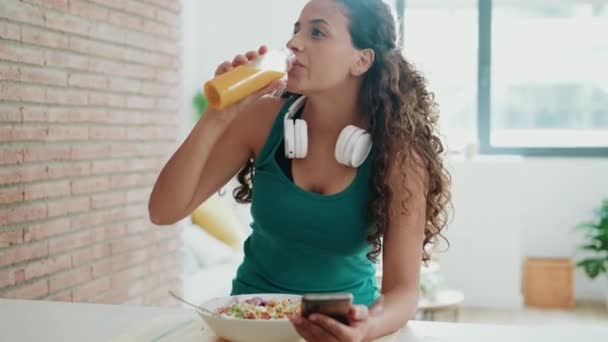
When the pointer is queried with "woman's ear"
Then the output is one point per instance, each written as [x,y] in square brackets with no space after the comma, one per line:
[364,61]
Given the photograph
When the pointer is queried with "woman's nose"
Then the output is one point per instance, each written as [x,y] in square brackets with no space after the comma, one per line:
[294,44]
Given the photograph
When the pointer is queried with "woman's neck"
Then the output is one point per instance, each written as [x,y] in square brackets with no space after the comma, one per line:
[327,113]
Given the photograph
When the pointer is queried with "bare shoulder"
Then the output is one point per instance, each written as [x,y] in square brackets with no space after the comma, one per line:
[256,121]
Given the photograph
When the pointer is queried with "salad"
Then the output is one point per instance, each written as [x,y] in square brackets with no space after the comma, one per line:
[258,308]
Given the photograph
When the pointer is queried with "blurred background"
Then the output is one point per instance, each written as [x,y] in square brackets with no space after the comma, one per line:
[95,95]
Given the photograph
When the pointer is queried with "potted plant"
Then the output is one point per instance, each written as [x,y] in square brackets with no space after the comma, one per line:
[595,247]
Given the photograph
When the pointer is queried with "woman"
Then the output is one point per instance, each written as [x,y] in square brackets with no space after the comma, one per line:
[319,225]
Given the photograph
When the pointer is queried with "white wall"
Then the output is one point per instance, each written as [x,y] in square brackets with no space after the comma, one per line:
[506,208]
[216,31]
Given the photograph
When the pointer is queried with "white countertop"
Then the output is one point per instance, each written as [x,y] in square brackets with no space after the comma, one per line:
[24,321]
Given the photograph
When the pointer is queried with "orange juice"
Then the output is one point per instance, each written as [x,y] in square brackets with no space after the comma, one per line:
[238,83]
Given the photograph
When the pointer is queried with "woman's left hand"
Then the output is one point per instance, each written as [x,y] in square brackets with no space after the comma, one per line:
[320,328]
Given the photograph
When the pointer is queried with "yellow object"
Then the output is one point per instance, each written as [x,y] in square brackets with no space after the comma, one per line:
[236,84]
[218,219]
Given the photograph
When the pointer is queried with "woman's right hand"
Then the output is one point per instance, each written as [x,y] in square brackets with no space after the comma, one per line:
[229,113]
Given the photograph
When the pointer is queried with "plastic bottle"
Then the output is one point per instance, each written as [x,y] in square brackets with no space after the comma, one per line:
[234,85]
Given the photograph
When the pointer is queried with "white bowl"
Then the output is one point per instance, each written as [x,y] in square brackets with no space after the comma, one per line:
[249,330]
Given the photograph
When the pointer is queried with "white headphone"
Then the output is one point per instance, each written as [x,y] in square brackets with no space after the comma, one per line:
[352,148]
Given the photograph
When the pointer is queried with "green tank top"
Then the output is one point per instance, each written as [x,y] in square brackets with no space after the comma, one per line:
[304,242]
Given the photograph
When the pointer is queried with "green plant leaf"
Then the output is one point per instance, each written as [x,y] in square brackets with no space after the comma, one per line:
[593,267]
[591,248]
[586,225]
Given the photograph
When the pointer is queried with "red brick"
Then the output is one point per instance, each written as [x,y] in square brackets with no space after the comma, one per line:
[69,170]
[9,196]
[87,10]
[46,229]
[9,31]
[22,133]
[137,8]
[158,29]
[107,200]
[124,85]
[10,238]
[35,114]
[107,32]
[101,65]
[66,60]
[46,153]
[153,88]
[70,279]
[57,4]
[166,104]
[83,256]
[68,23]
[128,276]
[115,231]
[22,92]
[128,244]
[22,173]
[103,268]
[171,77]
[9,73]
[21,12]
[145,164]
[133,180]
[167,17]
[46,190]
[63,133]
[68,206]
[21,54]
[138,226]
[138,195]
[7,278]
[14,156]
[49,266]
[35,290]
[23,213]
[88,81]
[90,185]
[107,133]
[110,166]
[108,100]
[99,217]
[43,76]
[63,296]
[126,21]
[144,72]
[9,113]
[43,38]
[91,289]
[22,253]
[115,297]
[70,242]
[95,151]
[67,96]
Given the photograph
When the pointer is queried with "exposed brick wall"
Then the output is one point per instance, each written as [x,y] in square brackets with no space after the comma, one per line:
[89,95]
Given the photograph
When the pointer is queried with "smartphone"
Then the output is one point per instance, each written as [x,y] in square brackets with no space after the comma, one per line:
[334,305]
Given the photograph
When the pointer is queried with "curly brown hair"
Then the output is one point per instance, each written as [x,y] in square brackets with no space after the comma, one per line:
[403,122]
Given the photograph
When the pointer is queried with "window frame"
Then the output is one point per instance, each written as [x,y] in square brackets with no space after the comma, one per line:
[484,105]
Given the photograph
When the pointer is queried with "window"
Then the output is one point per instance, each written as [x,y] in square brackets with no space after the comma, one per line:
[526,77]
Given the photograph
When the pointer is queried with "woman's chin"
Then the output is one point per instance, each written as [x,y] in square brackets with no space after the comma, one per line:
[293,86]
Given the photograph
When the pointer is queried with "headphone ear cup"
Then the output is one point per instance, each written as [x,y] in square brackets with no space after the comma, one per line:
[301,135]
[361,147]
[289,139]
[342,144]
